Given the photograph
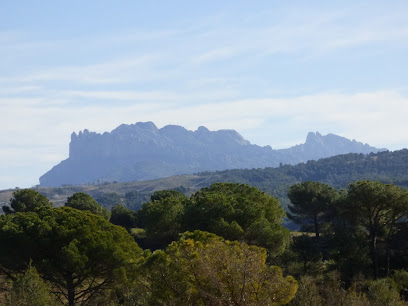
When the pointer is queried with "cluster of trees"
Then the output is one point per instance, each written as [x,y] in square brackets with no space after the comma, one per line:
[337,171]
[355,238]
[76,254]
[223,245]
[232,211]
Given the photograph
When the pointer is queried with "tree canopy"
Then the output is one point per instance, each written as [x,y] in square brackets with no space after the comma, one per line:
[161,219]
[379,208]
[357,257]
[83,201]
[311,203]
[120,215]
[236,212]
[162,194]
[25,200]
[77,251]
[202,268]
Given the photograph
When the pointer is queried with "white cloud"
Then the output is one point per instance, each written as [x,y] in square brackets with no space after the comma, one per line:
[36,135]
[188,82]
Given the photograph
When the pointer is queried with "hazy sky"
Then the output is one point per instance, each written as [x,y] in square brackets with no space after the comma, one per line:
[272,70]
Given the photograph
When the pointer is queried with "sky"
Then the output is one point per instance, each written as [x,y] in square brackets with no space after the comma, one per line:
[271,70]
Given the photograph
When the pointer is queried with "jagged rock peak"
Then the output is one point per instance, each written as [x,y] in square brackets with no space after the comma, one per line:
[81,134]
[314,137]
[141,151]
[137,127]
[149,128]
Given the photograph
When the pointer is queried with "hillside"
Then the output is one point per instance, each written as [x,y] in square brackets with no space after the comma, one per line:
[141,151]
[338,171]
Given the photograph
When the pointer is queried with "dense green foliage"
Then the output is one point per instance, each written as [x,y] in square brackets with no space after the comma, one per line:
[223,245]
[123,216]
[311,203]
[163,194]
[161,220]
[211,271]
[29,289]
[83,201]
[238,212]
[233,211]
[381,211]
[77,251]
[25,200]
[364,241]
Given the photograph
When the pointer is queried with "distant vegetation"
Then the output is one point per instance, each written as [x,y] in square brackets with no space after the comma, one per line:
[337,171]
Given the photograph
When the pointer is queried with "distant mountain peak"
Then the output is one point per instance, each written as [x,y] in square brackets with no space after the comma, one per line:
[142,151]
[314,138]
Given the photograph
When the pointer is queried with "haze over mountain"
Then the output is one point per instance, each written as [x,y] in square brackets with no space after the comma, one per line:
[141,151]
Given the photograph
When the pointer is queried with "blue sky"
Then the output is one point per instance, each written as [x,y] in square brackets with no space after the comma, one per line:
[272,70]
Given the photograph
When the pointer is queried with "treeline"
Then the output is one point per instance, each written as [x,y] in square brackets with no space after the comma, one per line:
[223,245]
[337,171]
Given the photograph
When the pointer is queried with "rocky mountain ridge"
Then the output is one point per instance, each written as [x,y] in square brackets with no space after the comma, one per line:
[141,151]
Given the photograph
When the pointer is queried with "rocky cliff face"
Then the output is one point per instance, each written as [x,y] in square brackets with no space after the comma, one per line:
[141,151]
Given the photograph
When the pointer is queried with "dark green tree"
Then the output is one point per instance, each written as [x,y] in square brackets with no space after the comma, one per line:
[122,216]
[78,252]
[26,200]
[379,208]
[83,201]
[161,220]
[238,212]
[311,203]
[162,194]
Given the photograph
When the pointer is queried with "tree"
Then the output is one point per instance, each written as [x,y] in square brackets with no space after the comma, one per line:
[310,204]
[122,216]
[78,252]
[161,220]
[26,200]
[167,193]
[30,290]
[83,201]
[378,208]
[203,269]
[238,212]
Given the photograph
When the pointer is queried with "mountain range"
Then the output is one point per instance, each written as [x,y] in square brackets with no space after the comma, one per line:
[141,151]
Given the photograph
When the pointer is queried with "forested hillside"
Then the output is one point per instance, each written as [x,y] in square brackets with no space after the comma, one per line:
[337,171]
